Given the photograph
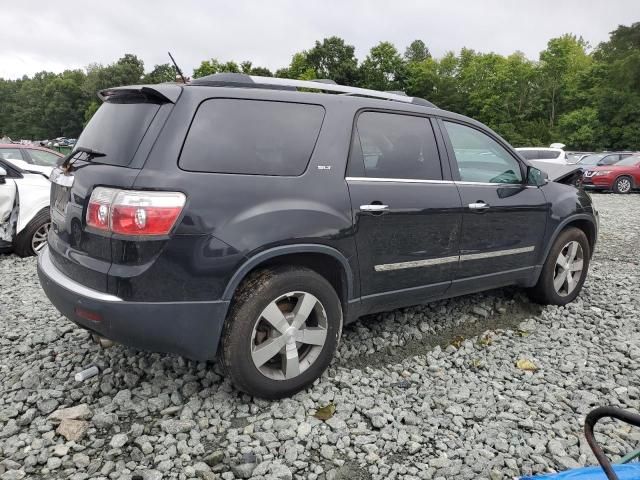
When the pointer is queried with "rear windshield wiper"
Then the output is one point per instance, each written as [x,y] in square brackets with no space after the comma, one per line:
[66,163]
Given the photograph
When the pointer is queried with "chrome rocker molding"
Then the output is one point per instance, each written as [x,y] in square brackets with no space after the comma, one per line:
[456,258]
[47,266]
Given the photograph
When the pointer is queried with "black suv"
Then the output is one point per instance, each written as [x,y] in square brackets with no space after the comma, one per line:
[251,217]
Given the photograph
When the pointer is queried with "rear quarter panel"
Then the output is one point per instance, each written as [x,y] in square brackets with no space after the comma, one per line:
[229,218]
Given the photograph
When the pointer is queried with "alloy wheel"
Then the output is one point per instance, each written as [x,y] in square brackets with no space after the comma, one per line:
[568,270]
[39,239]
[624,185]
[289,335]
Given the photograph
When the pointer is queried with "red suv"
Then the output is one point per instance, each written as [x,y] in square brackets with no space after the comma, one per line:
[622,177]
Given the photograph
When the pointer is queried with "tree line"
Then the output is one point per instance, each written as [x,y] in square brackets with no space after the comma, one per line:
[587,98]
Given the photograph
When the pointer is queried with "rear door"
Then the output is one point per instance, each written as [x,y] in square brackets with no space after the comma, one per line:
[407,210]
[122,132]
[504,219]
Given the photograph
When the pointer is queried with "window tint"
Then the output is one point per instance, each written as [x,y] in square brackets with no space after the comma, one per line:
[397,146]
[45,159]
[528,154]
[116,130]
[480,158]
[10,153]
[252,137]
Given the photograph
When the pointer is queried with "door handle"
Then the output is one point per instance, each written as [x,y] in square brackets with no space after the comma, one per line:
[374,207]
[478,206]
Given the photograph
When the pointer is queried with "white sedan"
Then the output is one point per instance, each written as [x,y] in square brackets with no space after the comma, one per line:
[24,210]
[551,155]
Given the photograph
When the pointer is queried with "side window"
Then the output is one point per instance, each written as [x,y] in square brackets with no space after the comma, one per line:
[397,146]
[11,154]
[252,137]
[45,159]
[480,158]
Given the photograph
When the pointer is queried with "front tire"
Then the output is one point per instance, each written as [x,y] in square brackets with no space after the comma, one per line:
[33,238]
[622,185]
[282,331]
[565,269]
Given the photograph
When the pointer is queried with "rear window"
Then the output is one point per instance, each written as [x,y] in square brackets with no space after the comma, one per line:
[539,154]
[116,130]
[253,137]
[549,154]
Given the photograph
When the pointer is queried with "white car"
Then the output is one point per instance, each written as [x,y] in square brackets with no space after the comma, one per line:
[552,155]
[24,210]
[30,158]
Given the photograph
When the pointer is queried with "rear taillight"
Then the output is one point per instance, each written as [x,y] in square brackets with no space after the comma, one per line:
[131,212]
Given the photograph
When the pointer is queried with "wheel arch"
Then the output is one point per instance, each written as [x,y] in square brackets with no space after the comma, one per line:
[325,260]
[584,222]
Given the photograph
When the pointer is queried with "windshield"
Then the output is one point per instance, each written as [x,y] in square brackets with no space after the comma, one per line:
[592,159]
[117,129]
[629,161]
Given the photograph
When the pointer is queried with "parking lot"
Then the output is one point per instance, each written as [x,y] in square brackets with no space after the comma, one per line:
[425,392]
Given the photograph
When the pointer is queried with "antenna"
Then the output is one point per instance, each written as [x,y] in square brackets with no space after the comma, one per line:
[177,68]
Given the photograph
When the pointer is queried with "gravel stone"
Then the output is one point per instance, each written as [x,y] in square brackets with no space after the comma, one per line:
[119,440]
[79,412]
[72,430]
[177,426]
[426,392]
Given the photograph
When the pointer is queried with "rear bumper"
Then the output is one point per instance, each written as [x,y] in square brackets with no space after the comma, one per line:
[190,329]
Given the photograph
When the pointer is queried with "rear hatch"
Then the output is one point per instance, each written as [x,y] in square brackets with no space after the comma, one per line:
[110,152]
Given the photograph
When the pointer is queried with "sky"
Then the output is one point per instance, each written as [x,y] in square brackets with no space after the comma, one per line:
[41,35]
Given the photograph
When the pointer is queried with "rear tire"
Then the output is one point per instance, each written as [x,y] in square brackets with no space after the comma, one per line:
[33,237]
[269,362]
[565,269]
[623,185]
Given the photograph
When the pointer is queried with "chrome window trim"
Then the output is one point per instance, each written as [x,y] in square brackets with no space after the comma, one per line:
[49,269]
[386,267]
[397,180]
[489,184]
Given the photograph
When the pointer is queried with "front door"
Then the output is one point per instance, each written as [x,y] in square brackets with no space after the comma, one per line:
[504,219]
[407,211]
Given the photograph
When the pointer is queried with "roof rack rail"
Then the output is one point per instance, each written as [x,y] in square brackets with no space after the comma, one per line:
[253,81]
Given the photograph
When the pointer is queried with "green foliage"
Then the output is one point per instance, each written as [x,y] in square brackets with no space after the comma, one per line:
[333,59]
[384,68]
[161,74]
[586,99]
[417,51]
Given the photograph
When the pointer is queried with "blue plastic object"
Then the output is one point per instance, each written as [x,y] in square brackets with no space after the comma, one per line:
[629,471]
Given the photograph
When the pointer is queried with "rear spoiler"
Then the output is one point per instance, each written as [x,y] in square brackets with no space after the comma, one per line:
[161,93]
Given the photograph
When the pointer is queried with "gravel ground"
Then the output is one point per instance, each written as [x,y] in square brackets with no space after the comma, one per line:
[423,392]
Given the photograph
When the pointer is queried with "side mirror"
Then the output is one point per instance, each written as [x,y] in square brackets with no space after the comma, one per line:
[3,174]
[536,177]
